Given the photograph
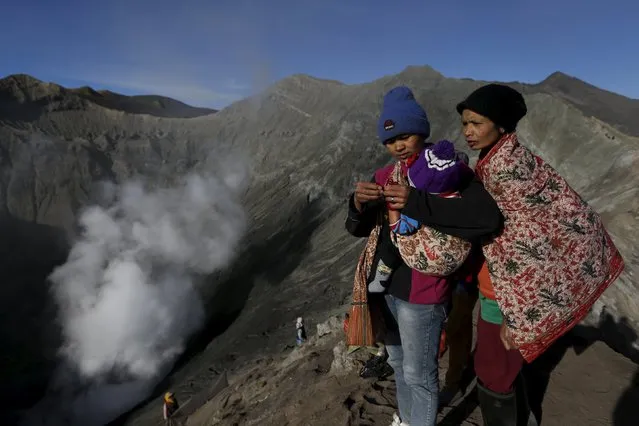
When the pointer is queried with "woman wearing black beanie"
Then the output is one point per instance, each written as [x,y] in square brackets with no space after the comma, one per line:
[544,271]
[496,109]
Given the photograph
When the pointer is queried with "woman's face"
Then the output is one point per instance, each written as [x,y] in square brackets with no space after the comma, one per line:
[480,132]
[403,146]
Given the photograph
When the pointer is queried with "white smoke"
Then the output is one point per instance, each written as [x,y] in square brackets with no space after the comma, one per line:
[126,294]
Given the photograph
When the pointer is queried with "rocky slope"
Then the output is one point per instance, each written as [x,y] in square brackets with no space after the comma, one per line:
[318,384]
[307,141]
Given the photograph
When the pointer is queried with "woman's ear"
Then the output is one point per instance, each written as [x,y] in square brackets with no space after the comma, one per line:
[501,130]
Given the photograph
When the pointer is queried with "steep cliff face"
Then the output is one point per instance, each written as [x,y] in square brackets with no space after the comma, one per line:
[306,141]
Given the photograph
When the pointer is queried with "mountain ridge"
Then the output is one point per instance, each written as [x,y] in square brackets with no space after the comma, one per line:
[27,91]
[613,108]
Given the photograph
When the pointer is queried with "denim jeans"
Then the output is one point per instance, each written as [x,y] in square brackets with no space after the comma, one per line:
[415,360]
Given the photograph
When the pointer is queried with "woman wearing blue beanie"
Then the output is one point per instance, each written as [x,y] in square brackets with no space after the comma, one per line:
[416,303]
[402,115]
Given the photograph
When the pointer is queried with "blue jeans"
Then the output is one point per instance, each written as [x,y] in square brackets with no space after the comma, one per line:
[415,360]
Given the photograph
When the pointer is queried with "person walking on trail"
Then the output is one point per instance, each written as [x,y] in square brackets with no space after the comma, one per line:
[169,407]
[544,271]
[300,331]
[414,304]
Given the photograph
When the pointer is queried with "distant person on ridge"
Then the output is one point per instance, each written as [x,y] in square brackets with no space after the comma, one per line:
[414,305]
[300,331]
[547,267]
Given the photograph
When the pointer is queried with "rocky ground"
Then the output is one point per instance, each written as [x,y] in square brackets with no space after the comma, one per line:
[318,384]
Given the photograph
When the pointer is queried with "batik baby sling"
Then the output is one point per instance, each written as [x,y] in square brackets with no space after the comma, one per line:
[427,251]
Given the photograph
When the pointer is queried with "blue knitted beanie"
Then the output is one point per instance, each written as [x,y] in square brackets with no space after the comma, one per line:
[401,115]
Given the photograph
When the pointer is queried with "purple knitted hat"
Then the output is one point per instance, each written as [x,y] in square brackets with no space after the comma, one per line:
[438,169]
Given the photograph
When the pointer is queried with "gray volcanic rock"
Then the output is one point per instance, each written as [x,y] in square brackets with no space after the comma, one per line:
[307,141]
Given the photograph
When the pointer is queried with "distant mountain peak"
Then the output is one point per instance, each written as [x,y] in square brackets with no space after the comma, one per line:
[422,69]
[559,77]
[23,90]
[613,108]
[21,80]
[558,74]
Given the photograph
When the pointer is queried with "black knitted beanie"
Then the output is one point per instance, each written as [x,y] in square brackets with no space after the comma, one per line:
[504,105]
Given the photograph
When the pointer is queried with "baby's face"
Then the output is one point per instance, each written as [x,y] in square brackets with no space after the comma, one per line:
[404,146]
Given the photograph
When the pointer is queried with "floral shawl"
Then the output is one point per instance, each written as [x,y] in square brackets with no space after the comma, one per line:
[554,258]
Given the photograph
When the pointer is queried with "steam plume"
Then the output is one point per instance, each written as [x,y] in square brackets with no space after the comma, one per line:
[126,294]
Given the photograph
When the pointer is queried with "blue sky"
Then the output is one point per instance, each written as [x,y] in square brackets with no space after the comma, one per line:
[211,53]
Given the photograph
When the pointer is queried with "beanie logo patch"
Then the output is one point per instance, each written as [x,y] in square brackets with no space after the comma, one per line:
[389,125]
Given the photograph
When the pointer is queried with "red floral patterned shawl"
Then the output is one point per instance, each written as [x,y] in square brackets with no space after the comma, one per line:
[554,258]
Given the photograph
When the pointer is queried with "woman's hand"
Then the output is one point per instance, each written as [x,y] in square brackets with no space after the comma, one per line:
[366,192]
[396,196]
[506,337]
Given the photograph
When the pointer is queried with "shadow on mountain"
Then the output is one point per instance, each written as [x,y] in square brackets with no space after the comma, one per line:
[537,374]
[14,112]
[271,260]
[618,335]
[29,332]
[621,336]
[627,409]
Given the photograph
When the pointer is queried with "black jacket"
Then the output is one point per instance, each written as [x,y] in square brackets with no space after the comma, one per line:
[474,217]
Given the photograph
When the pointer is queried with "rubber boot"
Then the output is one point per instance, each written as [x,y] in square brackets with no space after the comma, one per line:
[497,409]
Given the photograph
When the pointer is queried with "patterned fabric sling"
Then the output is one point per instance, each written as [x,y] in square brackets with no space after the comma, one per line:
[554,258]
[427,251]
